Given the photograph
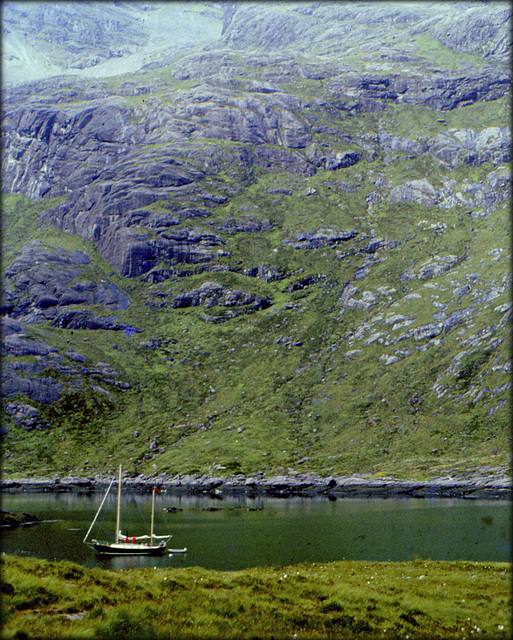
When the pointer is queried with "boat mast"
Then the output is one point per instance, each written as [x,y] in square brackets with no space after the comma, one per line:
[119,506]
[152,514]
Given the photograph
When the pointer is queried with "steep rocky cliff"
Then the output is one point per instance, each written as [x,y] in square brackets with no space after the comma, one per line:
[287,247]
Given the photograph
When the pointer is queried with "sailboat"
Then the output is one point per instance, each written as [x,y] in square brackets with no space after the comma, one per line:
[145,545]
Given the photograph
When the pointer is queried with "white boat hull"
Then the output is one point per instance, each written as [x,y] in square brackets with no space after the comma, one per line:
[129,548]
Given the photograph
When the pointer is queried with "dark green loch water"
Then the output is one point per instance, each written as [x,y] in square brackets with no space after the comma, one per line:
[237,533]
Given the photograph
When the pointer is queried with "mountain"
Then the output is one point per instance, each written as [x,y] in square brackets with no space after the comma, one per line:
[91,39]
[281,245]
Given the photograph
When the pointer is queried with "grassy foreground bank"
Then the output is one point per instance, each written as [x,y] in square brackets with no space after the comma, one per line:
[417,599]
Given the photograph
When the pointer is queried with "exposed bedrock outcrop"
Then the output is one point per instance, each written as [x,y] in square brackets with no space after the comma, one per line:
[473,32]
[75,37]
[455,146]
[37,370]
[265,273]
[54,88]
[478,198]
[78,319]
[211,294]
[93,156]
[133,252]
[244,225]
[319,239]
[47,380]
[440,91]
[19,344]
[44,155]
[25,416]
[82,37]
[492,144]
[43,390]
[210,112]
[465,31]
[307,281]
[43,279]
[114,180]
[53,151]
[48,152]
[419,191]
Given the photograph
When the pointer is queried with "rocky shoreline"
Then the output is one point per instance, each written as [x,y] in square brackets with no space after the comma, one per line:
[494,485]
[14,520]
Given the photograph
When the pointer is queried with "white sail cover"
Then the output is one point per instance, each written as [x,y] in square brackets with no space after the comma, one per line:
[122,535]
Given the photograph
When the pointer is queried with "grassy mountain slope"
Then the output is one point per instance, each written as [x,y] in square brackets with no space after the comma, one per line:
[390,357]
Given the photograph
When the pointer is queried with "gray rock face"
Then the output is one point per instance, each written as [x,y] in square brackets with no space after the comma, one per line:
[342,160]
[492,144]
[46,379]
[246,225]
[94,155]
[132,253]
[25,416]
[466,30]
[320,239]
[42,278]
[442,93]
[433,268]
[380,243]
[307,281]
[43,390]
[91,152]
[82,36]
[267,274]
[21,345]
[9,326]
[88,37]
[472,32]
[67,142]
[211,294]
[87,320]
[210,112]
[390,142]
[418,191]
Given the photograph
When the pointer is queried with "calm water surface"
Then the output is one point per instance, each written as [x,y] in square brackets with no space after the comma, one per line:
[240,532]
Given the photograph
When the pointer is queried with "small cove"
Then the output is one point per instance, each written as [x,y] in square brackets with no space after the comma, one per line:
[238,532]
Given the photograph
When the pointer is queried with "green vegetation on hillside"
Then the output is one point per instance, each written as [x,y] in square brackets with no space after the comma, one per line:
[281,375]
[266,390]
[21,222]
